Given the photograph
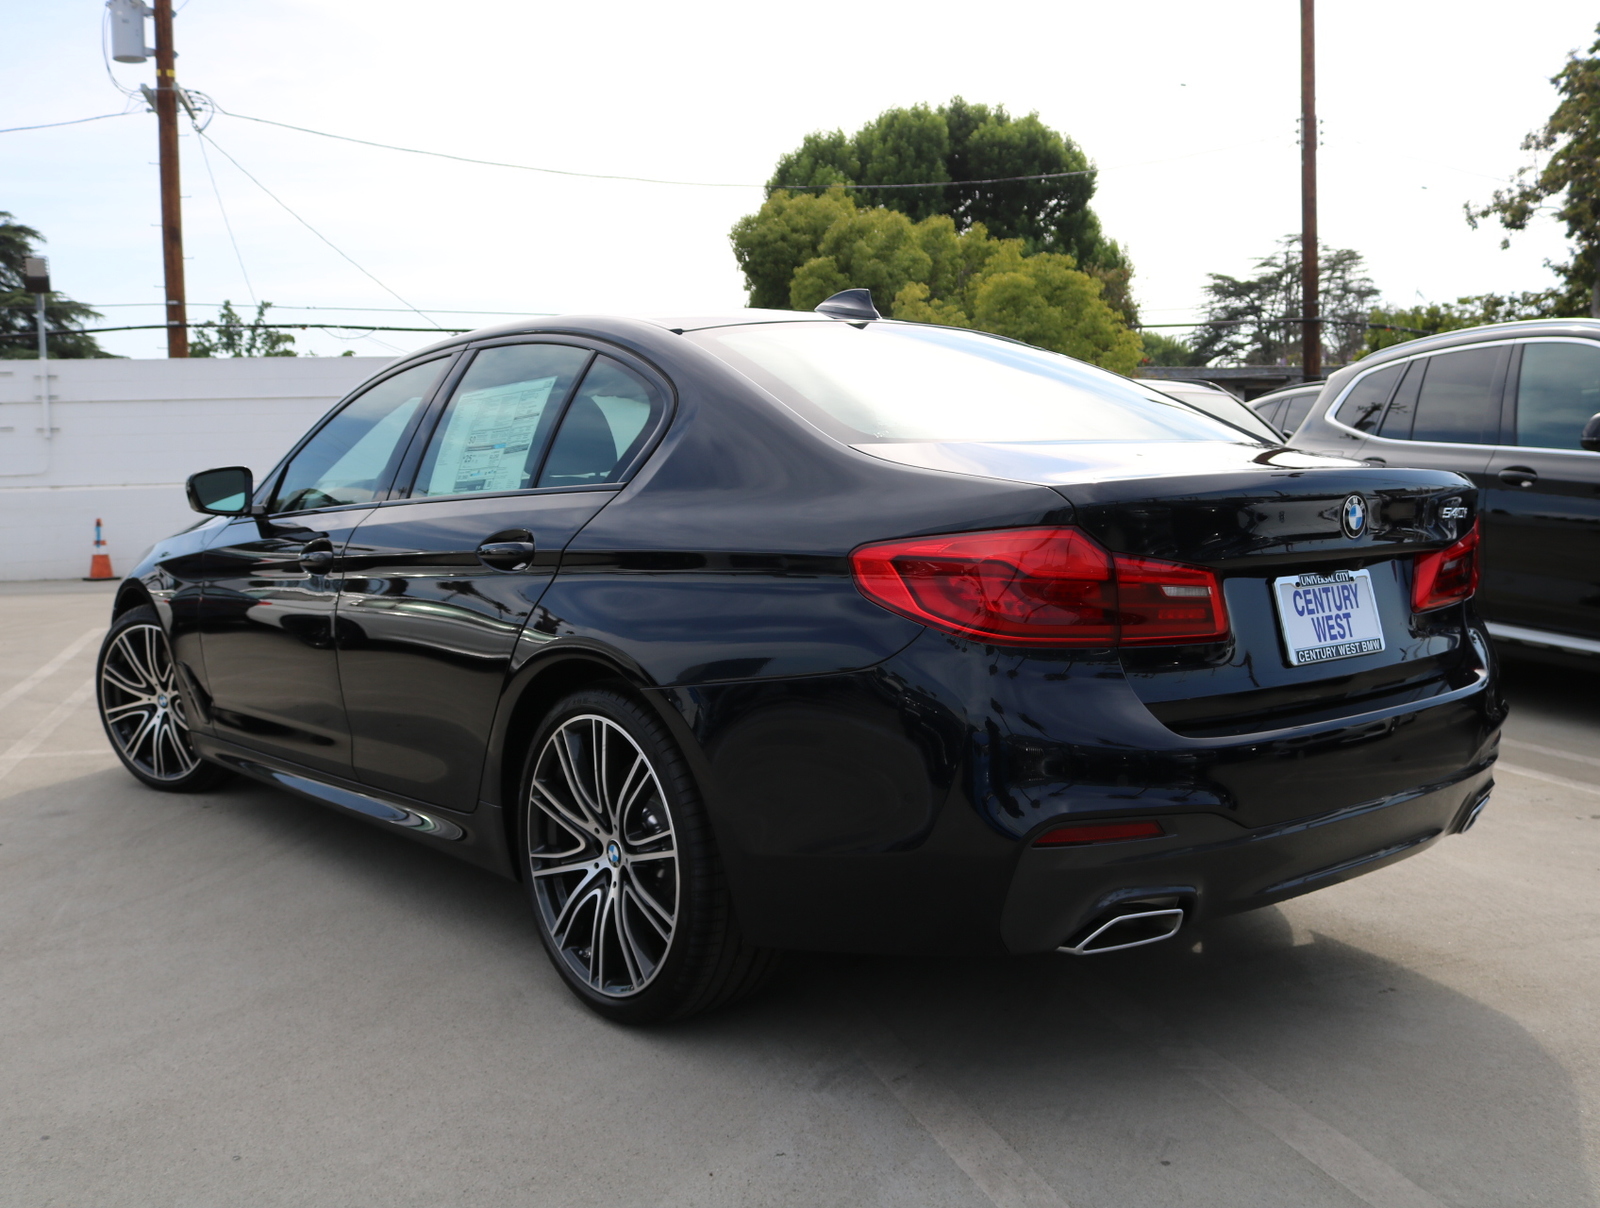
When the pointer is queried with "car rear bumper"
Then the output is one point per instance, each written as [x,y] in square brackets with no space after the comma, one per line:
[1212,867]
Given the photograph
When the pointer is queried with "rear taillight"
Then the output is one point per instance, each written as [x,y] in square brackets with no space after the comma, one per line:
[1041,587]
[1446,576]
[1098,832]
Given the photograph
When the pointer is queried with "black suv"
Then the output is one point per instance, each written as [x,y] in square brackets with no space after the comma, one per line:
[1516,408]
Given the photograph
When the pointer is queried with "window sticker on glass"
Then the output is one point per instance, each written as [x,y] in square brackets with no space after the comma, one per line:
[487,439]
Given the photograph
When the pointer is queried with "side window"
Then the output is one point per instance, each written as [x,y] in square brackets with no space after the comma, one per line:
[499,419]
[613,413]
[1270,411]
[1403,407]
[1295,413]
[1458,402]
[353,455]
[1559,389]
[1363,406]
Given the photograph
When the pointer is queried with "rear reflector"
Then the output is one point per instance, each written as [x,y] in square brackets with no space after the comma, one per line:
[1098,832]
[1446,576]
[1041,587]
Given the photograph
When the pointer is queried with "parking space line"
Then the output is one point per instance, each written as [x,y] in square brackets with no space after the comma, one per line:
[984,1156]
[1538,749]
[44,727]
[84,754]
[1580,786]
[50,668]
[1358,1171]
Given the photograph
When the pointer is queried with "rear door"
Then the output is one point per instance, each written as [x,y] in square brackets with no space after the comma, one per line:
[1445,413]
[532,442]
[1542,522]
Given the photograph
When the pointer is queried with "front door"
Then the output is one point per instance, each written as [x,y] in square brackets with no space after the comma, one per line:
[437,587]
[1542,522]
[270,583]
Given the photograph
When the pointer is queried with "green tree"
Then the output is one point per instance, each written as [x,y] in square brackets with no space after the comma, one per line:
[929,272]
[1568,185]
[231,336]
[1246,317]
[1395,325]
[1165,350]
[967,142]
[18,325]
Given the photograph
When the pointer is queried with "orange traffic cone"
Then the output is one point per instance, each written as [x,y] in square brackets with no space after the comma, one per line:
[99,561]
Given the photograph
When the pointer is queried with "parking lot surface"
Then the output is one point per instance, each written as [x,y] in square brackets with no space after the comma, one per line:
[242,998]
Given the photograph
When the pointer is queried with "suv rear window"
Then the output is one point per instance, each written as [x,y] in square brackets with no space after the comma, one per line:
[886,382]
[1363,406]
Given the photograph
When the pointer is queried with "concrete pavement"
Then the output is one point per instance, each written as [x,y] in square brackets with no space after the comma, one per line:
[239,998]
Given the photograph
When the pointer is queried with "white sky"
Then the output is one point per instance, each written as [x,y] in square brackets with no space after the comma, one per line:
[1189,110]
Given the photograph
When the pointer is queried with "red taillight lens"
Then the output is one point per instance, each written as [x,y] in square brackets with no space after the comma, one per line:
[1446,576]
[1098,832]
[1041,587]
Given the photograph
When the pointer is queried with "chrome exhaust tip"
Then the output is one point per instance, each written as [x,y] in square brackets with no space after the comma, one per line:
[1133,929]
[1474,810]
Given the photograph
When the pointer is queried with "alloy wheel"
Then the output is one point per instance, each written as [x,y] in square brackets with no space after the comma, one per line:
[604,857]
[142,703]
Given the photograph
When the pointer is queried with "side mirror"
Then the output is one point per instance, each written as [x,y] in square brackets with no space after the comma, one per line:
[224,492]
[1590,438]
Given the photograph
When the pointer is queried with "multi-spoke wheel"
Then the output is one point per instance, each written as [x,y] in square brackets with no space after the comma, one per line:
[618,858]
[141,705]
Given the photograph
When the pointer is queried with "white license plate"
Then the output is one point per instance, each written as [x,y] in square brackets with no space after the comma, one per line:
[1326,617]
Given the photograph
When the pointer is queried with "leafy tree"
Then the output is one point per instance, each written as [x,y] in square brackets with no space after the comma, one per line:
[960,141]
[17,319]
[231,336]
[928,271]
[1165,350]
[1395,325]
[1568,185]
[1246,317]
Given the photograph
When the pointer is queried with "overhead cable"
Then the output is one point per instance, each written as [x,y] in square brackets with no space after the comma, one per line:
[77,121]
[202,134]
[226,225]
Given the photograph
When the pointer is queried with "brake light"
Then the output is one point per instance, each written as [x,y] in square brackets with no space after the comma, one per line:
[1098,832]
[1446,576]
[1041,587]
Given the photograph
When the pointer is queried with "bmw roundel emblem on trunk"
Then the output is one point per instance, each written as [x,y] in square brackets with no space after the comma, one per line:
[1353,516]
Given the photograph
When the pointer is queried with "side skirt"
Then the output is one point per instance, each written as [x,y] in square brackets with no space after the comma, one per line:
[478,837]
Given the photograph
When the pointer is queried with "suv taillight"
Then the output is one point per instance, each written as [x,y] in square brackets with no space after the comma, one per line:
[1041,587]
[1447,576]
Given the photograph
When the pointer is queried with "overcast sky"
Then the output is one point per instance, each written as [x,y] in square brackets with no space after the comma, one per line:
[1189,110]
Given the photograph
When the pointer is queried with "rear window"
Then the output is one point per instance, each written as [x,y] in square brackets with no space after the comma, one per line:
[885,382]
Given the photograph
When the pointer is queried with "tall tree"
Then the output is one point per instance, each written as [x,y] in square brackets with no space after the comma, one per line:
[1389,325]
[18,324]
[961,141]
[1568,185]
[1249,320]
[231,335]
[929,271]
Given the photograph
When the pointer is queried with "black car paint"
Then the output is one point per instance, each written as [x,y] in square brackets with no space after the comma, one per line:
[873,784]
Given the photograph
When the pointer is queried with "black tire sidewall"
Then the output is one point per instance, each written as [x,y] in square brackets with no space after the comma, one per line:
[204,775]
[682,973]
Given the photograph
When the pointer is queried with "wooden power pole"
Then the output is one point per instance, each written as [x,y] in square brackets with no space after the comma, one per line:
[166,102]
[1310,302]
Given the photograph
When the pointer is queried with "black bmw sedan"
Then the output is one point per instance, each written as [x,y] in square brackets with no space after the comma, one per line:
[819,631]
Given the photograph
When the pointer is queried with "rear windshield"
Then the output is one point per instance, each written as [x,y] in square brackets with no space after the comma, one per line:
[884,382]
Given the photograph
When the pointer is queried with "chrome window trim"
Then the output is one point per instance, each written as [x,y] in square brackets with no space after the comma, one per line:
[1328,414]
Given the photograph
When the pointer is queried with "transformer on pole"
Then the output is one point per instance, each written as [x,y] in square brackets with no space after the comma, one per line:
[36,280]
[128,46]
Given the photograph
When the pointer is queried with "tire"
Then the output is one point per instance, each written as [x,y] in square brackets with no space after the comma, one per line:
[140,696]
[618,857]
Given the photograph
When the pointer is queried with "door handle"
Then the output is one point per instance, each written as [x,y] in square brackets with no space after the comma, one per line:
[317,558]
[506,555]
[1519,476]
[1375,461]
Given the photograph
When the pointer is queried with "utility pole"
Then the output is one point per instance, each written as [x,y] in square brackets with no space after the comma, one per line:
[1310,302]
[166,104]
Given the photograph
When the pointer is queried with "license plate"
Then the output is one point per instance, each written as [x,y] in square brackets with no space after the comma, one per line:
[1327,617]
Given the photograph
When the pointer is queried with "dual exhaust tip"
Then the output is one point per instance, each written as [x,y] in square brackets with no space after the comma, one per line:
[1128,925]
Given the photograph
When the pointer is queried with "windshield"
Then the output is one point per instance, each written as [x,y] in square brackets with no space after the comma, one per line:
[882,382]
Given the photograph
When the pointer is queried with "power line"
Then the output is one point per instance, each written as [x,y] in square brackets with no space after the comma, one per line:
[202,134]
[226,225]
[647,180]
[77,121]
[91,331]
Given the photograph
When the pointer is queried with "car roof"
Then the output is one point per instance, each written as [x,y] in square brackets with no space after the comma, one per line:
[1314,384]
[1586,328]
[600,324]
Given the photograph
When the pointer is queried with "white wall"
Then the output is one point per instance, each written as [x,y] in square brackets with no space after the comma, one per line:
[124,436]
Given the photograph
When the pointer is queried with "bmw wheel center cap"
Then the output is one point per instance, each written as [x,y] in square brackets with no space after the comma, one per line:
[614,854]
[1353,516]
